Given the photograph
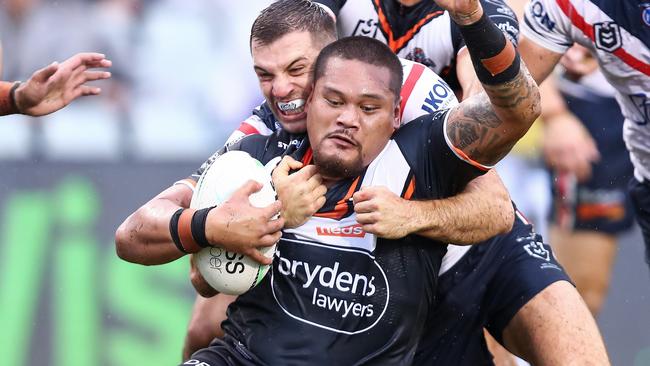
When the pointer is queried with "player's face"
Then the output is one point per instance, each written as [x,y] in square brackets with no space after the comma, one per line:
[283,69]
[352,114]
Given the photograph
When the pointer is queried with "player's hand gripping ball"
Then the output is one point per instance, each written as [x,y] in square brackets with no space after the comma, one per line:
[228,272]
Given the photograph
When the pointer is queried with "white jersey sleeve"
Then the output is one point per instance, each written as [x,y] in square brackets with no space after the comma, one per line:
[423,92]
[546,24]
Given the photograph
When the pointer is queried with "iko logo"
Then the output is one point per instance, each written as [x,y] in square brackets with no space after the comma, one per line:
[438,97]
[535,247]
[366,28]
[352,231]
[645,13]
[607,36]
[196,363]
[541,16]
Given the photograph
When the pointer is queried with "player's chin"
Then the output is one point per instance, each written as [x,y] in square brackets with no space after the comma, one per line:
[298,126]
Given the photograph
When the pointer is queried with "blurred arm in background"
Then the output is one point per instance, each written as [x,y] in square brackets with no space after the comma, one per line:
[54,86]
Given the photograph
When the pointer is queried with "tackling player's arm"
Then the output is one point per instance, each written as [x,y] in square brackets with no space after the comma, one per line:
[165,228]
[482,210]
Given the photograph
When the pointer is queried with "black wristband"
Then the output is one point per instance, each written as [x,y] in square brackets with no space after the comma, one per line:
[12,97]
[173,230]
[198,226]
[494,57]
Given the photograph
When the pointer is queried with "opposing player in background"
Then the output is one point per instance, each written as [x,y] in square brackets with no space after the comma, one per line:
[617,33]
[54,86]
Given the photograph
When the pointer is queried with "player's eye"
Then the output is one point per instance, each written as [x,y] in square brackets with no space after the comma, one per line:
[334,102]
[297,70]
[369,108]
[264,76]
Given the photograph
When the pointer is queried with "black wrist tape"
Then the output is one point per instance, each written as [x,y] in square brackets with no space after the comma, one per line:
[173,229]
[198,226]
[494,57]
[12,97]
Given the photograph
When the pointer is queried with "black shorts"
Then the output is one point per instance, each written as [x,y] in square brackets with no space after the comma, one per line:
[640,194]
[602,203]
[223,352]
[485,289]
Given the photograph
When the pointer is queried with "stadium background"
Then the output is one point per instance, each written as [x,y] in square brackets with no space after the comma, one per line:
[182,81]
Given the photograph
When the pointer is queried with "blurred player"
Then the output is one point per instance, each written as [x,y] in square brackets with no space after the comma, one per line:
[589,212]
[55,86]
[617,34]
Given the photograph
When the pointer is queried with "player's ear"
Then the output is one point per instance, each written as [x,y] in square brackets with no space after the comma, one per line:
[397,112]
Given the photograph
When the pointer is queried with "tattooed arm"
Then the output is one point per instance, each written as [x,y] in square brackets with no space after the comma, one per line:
[487,125]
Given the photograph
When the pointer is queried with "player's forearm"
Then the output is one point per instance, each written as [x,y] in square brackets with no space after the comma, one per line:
[481,211]
[144,237]
[486,126]
[553,104]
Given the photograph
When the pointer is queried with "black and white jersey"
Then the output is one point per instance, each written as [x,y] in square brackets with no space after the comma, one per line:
[336,294]
[423,33]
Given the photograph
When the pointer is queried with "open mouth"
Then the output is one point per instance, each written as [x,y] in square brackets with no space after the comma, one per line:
[292,107]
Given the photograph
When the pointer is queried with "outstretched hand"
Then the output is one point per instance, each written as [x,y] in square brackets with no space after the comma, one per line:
[55,86]
[463,12]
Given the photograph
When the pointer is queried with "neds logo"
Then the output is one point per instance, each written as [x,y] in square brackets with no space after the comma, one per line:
[352,231]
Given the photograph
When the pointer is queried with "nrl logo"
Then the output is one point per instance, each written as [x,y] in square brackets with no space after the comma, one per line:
[535,248]
[607,36]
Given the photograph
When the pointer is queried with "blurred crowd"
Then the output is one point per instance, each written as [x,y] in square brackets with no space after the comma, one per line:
[182,77]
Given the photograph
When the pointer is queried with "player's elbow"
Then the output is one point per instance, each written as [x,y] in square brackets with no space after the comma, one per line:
[126,241]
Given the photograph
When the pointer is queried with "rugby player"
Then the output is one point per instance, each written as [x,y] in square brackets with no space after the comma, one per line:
[352,114]
[54,86]
[617,33]
[522,288]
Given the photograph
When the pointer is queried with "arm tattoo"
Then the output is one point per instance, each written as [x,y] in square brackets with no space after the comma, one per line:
[487,125]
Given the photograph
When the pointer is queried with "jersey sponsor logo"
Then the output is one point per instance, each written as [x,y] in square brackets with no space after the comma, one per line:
[343,290]
[352,231]
[607,36]
[541,16]
[508,26]
[283,145]
[196,363]
[642,105]
[437,98]
[535,247]
[366,28]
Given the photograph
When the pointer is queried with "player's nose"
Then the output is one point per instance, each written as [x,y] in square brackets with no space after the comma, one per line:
[282,87]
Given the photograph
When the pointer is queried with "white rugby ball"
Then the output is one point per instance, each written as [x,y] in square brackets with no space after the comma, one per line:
[228,272]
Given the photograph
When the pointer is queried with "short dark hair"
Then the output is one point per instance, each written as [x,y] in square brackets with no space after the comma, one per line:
[286,16]
[364,49]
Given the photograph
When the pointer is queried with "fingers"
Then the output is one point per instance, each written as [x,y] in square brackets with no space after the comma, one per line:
[85,90]
[250,187]
[258,257]
[270,211]
[286,165]
[307,173]
[95,75]
[367,218]
[45,73]
[199,283]
[86,58]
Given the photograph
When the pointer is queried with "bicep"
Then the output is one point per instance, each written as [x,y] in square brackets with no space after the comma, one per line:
[178,194]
